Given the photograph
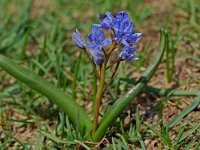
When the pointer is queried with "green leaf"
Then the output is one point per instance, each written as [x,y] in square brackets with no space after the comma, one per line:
[38,141]
[63,101]
[188,133]
[116,109]
[185,111]
[76,68]
[56,139]
[164,92]
[187,147]
[170,92]
[82,144]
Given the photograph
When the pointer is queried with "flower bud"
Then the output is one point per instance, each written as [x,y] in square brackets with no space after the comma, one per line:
[78,40]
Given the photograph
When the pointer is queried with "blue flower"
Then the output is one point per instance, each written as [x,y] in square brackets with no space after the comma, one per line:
[97,39]
[123,17]
[78,40]
[121,25]
[97,56]
[131,38]
[124,31]
[106,21]
[128,53]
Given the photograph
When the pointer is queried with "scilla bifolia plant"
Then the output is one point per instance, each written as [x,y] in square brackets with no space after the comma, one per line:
[120,44]
[122,38]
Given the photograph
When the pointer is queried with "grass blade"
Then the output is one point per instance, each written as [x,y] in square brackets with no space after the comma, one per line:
[82,144]
[170,57]
[56,139]
[164,92]
[76,68]
[171,92]
[141,141]
[187,147]
[113,144]
[38,141]
[185,111]
[167,59]
[138,129]
[188,133]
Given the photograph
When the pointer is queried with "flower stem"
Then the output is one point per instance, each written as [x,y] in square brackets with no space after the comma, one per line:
[112,64]
[112,76]
[112,47]
[104,51]
[94,91]
[100,88]
[92,62]
[98,97]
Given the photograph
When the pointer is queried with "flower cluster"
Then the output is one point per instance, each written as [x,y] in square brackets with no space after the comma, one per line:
[122,33]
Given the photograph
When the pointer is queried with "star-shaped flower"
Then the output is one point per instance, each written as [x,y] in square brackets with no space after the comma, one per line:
[128,53]
[106,21]
[124,31]
[97,39]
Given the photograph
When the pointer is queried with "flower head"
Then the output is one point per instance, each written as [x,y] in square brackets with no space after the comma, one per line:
[123,16]
[97,56]
[78,40]
[131,38]
[128,53]
[124,31]
[97,39]
[121,25]
[123,34]
[106,21]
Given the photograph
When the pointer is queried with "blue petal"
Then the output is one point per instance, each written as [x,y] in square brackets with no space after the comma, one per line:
[124,24]
[134,37]
[122,15]
[128,53]
[95,30]
[110,17]
[106,42]
[94,46]
[117,39]
[101,35]
[107,21]
[139,35]
[90,45]
[122,54]
[91,37]
[125,42]
[129,27]
[116,25]
[98,46]
[97,25]
[97,56]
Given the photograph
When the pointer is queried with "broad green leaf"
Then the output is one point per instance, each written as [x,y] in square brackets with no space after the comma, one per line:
[63,101]
[164,92]
[116,109]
